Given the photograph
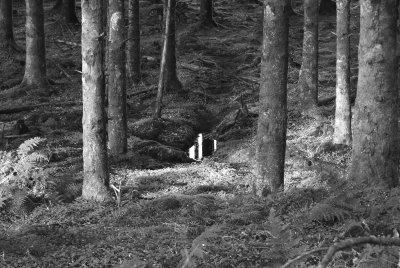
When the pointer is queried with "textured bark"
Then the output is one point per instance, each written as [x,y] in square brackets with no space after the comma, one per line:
[68,12]
[308,78]
[163,65]
[133,51]
[272,121]
[95,166]
[35,66]
[171,80]
[117,125]
[342,134]
[6,26]
[375,157]
[206,13]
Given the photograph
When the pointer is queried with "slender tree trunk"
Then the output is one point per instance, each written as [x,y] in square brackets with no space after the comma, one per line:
[6,26]
[308,78]
[163,65]
[117,125]
[375,158]
[35,66]
[57,6]
[206,13]
[68,12]
[171,80]
[133,51]
[342,134]
[95,166]
[272,122]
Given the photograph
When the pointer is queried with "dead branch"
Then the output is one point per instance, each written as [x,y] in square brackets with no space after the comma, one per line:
[34,106]
[383,241]
[62,70]
[305,254]
[148,90]
[67,43]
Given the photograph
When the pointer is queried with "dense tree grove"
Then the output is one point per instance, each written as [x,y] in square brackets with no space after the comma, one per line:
[122,118]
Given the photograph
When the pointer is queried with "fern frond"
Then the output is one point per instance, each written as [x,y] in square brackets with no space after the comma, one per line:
[328,213]
[27,146]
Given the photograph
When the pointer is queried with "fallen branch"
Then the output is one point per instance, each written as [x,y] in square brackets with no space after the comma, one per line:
[133,94]
[67,43]
[305,254]
[34,106]
[383,241]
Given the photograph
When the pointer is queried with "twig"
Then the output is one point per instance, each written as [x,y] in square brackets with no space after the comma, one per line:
[384,241]
[290,262]
[67,43]
[62,70]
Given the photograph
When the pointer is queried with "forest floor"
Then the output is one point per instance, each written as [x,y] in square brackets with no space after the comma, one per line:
[199,214]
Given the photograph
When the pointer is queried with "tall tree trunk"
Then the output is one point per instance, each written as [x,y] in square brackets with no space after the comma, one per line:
[375,158]
[342,134]
[308,78]
[95,166]
[117,125]
[6,26]
[68,12]
[206,13]
[171,80]
[272,121]
[133,51]
[35,66]
[163,65]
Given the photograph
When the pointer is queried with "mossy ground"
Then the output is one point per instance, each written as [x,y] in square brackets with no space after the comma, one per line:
[194,214]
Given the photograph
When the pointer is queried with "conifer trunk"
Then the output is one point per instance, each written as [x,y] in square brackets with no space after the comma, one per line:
[35,66]
[117,125]
[171,80]
[95,166]
[206,13]
[342,134]
[6,26]
[68,12]
[272,121]
[375,157]
[163,65]
[133,52]
[308,77]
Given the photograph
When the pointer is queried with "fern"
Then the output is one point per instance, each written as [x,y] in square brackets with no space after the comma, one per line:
[329,213]
[27,146]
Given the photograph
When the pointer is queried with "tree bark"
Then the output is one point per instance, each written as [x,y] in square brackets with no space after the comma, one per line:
[171,80]
[206,13]
[35,65]
[308,77]
[133,52]
[375,157]
[6,26]
[117,125]
[95,166]
[342,133]
[163,65]
[68,12]
[272,121]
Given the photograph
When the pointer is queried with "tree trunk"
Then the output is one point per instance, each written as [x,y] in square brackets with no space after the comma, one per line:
[68,12]
[95,166]
[117,125]
[163,65]
[57,6]
[308,77]
[133,52]
[375,158]
[171,80]
[342,134]
[206,13]
[35,66]
[6,26]
[272,121]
